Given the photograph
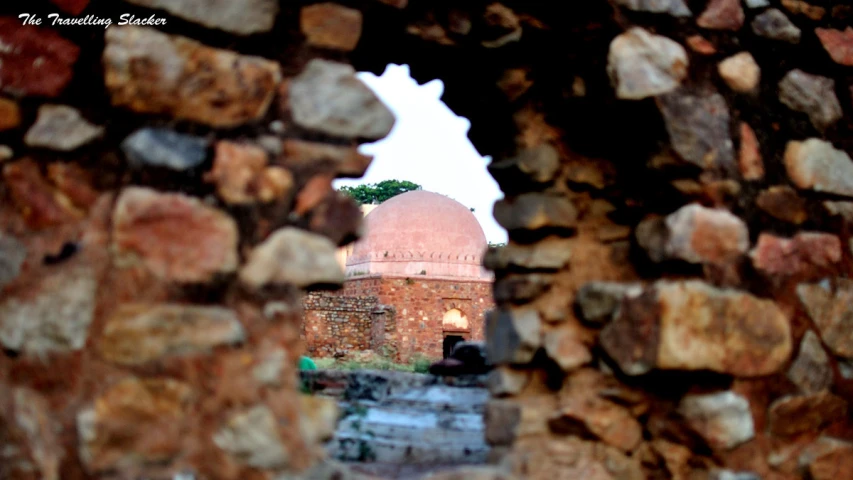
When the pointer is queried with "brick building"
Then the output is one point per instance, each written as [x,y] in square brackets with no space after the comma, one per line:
[415,283]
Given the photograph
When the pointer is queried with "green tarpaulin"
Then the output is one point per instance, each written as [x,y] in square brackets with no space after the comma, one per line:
[306,363]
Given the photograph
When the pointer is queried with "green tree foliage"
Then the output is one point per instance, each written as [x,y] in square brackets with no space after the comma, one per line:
[379,192]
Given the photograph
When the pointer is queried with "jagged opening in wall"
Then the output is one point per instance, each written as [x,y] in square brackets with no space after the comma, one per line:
[428,146]
[442,269]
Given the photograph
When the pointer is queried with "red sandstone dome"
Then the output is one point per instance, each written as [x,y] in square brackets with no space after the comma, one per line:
[420,233]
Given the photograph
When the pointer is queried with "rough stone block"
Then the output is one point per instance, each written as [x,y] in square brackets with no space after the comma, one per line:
[327,97]
[724,419]
[641,64]
[176,236]
[533,211]
[151,72]
[241,17]
[512,336]
[34,61]
[727,331]
[138,333]
[293,256]
[330,25]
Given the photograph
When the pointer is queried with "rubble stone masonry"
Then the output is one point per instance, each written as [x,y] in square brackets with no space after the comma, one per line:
[674,302]
[421,304]
[336,325]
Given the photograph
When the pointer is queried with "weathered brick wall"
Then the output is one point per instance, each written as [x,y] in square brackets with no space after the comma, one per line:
[420,305]
[338,325]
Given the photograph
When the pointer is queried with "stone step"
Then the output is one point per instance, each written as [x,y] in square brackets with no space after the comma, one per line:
[422,425]
[440,398]
[376,385]
[416,426]
[363,447]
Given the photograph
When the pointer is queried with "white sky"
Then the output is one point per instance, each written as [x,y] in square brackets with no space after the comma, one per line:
[429,146]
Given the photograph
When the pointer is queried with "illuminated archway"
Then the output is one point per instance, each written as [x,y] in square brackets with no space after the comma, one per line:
[454,321]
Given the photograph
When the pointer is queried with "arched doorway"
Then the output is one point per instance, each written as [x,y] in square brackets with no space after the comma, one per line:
[454,321]
[450,341]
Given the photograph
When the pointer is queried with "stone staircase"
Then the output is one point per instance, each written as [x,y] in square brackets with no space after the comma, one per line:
[430,424]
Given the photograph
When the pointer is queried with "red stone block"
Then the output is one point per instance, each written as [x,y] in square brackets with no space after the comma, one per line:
[74,183]
[834,465]
[74,7]
[701,46]
[722,15]
[10,114]
[333,26]
[750,162]
[176,236]
[804,254]
[804,413]
[35,198]
[33,60]
[839,44]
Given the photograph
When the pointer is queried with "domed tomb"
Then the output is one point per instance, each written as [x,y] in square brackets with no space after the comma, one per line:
[420,233]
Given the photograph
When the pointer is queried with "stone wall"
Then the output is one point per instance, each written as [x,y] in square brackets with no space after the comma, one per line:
[673,302]
[420,305]
[339,325]
[671,298]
